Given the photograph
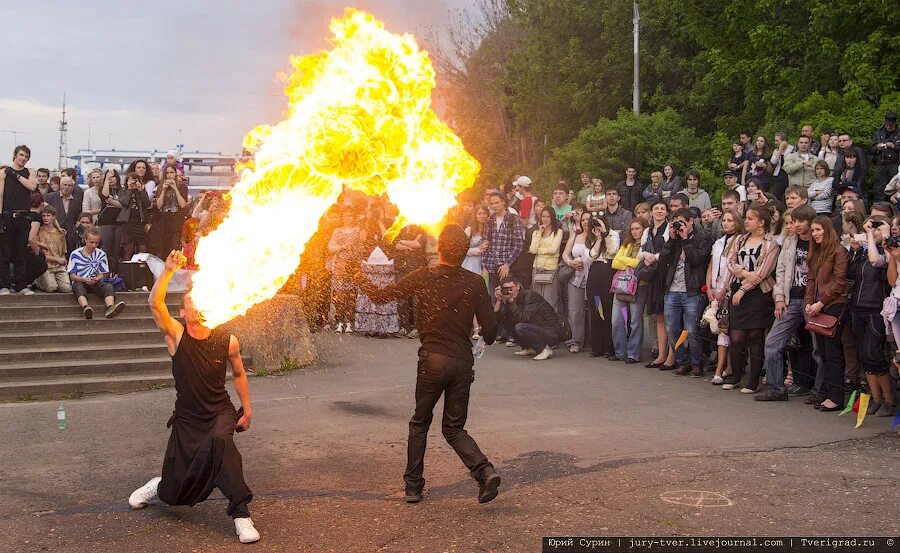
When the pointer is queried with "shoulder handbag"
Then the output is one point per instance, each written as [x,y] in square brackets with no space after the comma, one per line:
[543,277]
[722,314]
[643,271]
[624,282]
[824,324]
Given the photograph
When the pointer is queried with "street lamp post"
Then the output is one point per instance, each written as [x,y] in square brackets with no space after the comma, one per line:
[636,96]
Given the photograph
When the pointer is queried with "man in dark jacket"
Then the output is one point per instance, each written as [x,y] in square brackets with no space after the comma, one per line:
[528,317]
[684,258]
[886,152]
[449,298]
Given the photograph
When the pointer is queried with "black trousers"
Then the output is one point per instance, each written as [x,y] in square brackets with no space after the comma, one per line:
[441,374]
[200,457]
[832,352]
[14,250]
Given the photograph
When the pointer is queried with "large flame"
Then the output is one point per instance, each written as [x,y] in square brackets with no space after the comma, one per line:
[359,114]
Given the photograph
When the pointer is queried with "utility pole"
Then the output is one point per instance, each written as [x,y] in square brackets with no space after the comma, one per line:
[15,136]
[89,138]
[636,98]
[63,138]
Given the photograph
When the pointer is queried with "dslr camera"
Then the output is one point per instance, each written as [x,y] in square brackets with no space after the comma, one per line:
[892,242]
[677,226]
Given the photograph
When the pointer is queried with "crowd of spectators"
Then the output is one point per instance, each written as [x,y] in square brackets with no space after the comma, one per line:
[785,288]
[57,237]
[788,285]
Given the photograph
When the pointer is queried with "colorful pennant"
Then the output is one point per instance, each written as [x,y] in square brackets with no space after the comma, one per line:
[863,407]
[681,339]
[850,404]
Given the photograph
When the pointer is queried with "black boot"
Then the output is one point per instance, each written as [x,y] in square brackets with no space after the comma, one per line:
[488,484]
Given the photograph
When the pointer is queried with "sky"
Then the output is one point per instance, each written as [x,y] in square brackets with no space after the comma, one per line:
[195,72]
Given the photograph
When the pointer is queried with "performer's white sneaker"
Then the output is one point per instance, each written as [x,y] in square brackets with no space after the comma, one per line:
[245,530]
[141,496]
[546,353]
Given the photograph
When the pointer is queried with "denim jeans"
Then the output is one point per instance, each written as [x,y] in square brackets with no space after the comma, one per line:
[628,336]
[682,312]
[532,336]
[783,329]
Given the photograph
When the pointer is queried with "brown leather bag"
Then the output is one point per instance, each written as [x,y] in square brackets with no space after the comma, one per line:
[823,324]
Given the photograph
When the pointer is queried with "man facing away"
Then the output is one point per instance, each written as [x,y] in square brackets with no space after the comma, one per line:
[449,297]
[201,454]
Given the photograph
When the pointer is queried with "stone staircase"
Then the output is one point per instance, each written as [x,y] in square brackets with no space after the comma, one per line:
[48,349]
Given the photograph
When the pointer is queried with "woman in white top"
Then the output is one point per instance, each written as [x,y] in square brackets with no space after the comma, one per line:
[477,245]
[596,200]
[545,244]
[829,152]
[577,256]
[92,204]
[821,194]
[717,273]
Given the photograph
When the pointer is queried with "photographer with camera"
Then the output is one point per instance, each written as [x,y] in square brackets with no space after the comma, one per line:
[527,316]
[134,215]
[683,260]
[867,269]
[17,184]
[171,200]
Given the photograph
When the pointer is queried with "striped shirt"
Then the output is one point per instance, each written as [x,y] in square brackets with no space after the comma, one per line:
[88,265]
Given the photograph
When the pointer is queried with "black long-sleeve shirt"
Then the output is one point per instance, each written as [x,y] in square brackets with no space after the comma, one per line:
[449,297]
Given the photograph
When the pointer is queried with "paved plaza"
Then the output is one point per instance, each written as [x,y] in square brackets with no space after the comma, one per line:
[585,447]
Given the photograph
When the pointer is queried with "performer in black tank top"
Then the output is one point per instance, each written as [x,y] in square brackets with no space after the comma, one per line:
[201,454]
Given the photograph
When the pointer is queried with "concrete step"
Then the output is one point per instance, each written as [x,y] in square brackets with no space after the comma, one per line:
[41,298]
[33,369]
[71,311]
[109,333]
[153,347]
[82,325]
[79,385]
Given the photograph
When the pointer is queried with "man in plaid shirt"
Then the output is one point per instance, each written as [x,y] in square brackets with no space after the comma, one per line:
[506,236]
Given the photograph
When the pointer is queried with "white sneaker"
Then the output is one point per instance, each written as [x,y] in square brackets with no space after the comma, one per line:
[511,343]
[141,496]
[525,351]
[574,348]
[340,328]
[245,530]
[348,329]
[27,292]
[4,291]
[546,353]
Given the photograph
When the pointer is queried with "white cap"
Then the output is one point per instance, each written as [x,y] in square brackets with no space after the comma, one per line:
[523,181]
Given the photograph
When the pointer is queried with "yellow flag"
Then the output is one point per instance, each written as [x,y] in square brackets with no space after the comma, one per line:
[863,406]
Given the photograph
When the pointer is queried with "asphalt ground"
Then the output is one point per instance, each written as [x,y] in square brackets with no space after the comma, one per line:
[585,447]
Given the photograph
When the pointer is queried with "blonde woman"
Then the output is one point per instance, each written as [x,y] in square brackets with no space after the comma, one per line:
[545,246]
[653,192]
[628,335]
[716,275]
